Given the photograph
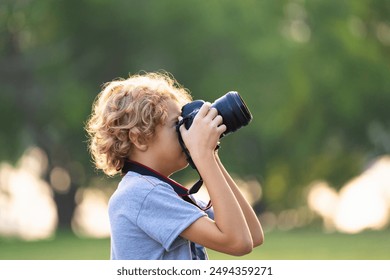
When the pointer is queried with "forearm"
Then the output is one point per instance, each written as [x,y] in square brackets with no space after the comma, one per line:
[229,231]
[250,216]
[228,215]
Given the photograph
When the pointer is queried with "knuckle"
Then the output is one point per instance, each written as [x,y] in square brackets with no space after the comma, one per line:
[214,110]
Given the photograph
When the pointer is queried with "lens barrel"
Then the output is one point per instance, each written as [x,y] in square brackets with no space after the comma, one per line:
[234,112]
[231,107]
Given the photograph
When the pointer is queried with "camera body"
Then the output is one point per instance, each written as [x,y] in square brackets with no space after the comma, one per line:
[231,107]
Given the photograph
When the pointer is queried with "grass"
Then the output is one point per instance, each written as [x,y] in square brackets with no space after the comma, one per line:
[315,245]
[65,246]
[279,245]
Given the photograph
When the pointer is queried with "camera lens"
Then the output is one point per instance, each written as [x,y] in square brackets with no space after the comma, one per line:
[233,110]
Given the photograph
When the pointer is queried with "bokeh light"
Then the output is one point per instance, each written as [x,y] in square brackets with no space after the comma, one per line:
[91,214]
[363,203]
[27,208]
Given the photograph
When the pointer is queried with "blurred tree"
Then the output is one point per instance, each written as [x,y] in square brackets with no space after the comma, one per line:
[313,73]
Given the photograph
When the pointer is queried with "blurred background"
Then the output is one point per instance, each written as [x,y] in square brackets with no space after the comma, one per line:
[314,162]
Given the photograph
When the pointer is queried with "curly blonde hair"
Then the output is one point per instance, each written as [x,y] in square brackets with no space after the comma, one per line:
[125,107]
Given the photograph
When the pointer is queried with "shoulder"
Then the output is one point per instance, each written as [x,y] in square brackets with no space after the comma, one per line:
[134,187]
[131,195]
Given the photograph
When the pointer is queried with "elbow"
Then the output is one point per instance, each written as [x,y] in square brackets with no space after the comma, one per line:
[242,247]
[245,246]
[245,250]
[258,240]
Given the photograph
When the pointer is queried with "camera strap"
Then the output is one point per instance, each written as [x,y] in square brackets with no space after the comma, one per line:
[180,190]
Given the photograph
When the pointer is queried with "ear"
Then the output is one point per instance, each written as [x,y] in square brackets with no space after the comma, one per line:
[138,141]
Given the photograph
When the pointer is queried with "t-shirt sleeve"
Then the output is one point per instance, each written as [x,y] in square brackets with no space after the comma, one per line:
[164,215]
[203,205]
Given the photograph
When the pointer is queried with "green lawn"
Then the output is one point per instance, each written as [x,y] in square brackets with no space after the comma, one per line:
[292,245]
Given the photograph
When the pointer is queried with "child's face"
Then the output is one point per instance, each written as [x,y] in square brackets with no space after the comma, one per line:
[167,152]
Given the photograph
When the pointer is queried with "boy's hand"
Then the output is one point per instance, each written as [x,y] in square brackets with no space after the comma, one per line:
[203,135]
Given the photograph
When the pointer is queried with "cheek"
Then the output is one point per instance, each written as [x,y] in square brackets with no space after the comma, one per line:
[175,145]
[175,142]
[179,149]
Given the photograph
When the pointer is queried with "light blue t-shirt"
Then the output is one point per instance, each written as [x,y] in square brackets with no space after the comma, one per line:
[147,218]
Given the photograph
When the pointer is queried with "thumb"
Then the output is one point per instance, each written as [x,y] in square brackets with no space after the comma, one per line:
[181,125]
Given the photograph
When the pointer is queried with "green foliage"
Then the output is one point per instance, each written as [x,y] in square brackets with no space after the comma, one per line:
[314,74]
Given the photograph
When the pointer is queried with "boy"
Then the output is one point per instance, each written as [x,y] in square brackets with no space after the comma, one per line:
[132,130]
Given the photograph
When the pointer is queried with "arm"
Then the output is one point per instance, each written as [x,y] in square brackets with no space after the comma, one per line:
[250,216]
[229,232]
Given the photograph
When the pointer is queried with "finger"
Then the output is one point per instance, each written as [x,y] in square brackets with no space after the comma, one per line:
[182,128]
[212,113]
[204,109]
[179,122]
[218,120]
[222,128]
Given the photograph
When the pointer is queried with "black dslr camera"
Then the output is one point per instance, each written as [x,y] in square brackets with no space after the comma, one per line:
[234,112]
[231,107]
